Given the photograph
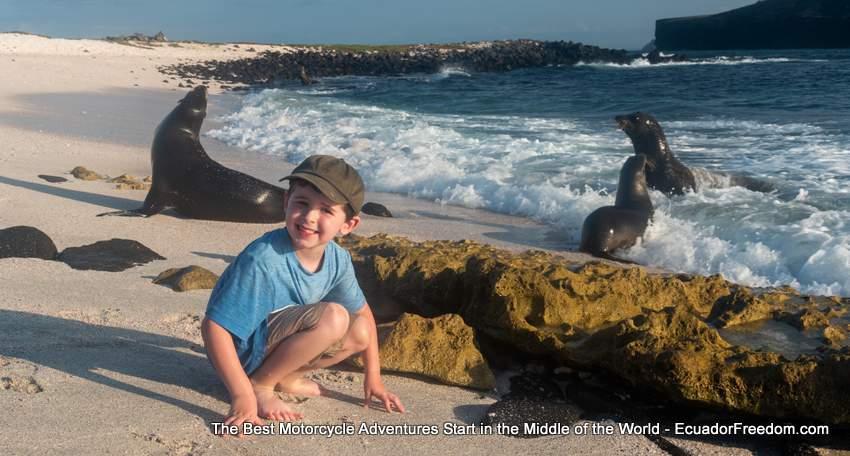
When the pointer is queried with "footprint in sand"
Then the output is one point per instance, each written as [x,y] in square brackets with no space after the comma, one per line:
[187,324]
[175,447]
[17,376]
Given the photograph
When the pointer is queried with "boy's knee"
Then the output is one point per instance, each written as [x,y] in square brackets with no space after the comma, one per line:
[335,319]
[358,335]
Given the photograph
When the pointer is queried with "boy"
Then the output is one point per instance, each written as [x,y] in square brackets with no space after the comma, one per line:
[290,303]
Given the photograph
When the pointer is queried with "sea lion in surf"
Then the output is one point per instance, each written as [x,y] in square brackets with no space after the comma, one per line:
[616,227]
[195,185]
[664,172]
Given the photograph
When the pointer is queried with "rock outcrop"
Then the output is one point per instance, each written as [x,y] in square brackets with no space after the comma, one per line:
[378,210]
[113,255]
[272,67]
[188,278]
[26,242]
[767,24]
[657,332]
[441,348]
[83,173]
[129,182]
[139,38]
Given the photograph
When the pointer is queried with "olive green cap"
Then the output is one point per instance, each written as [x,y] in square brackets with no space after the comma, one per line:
[335,178]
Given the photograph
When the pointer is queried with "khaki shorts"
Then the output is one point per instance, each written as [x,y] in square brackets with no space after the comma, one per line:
[295,319]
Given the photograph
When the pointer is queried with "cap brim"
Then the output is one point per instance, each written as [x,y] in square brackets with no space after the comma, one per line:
[325,187]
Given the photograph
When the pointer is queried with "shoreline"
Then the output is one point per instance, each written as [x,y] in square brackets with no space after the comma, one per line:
[80,335]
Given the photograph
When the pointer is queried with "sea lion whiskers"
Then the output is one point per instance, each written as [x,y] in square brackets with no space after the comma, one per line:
[642,128]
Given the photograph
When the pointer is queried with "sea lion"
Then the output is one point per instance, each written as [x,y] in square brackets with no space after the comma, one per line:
[615,227]
[664,172]
[305,78]
[187,179]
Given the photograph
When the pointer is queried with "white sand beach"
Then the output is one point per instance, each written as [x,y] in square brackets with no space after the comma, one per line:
[110,363]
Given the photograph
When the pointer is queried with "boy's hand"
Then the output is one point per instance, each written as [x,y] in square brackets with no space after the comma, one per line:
[375,388]
[243,409]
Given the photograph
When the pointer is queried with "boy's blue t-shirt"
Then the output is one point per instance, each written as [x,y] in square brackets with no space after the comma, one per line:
[267,277]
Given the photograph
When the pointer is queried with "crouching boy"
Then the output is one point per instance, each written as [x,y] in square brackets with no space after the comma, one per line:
[290,303]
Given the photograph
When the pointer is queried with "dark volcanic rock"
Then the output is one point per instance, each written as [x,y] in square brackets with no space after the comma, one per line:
[767,24]
[378,210]
[272,67]
[533,417]
[534,398]
[26,242]
[113,255]
[52,179]
[139,37]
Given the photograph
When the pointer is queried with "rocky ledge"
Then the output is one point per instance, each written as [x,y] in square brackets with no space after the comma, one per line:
[700,341]
[306,63]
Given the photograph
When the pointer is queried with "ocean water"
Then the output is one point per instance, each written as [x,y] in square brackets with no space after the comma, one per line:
[542,143]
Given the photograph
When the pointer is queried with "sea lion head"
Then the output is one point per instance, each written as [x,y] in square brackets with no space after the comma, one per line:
[192,109]
[645,132]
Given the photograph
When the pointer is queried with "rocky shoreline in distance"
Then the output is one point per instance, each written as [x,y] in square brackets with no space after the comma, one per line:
[305,63]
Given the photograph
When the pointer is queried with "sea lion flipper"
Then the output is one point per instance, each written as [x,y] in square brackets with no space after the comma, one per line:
[130,213]
[753,184]
[608,256]
[148,208]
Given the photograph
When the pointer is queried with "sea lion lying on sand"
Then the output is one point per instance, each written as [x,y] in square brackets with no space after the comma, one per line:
[187,179]
[615,227]
[664,172]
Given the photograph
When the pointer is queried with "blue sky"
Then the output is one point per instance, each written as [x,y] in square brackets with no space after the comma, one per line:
[611,23]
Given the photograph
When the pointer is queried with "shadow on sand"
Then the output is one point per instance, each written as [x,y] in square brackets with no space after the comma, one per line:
[90,351]
[76,195]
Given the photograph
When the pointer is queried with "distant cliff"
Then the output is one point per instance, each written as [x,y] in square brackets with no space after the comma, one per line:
[768,24]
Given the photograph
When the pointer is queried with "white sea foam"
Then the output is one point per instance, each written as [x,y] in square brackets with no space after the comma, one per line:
[448,71]
[558,171]
[643,62]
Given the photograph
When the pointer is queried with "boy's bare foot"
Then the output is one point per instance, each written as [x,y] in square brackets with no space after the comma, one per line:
[300,386]
[270,406]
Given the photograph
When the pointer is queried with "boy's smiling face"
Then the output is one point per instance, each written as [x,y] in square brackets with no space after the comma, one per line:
[313,220]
